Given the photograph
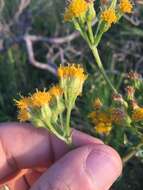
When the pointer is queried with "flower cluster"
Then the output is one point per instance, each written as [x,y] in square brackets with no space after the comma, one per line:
[102,121]
[110,14]
[123,111]
[104,118]
[119,123]
[47,108]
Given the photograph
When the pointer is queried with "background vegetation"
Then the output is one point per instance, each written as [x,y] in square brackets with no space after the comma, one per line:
[40,23]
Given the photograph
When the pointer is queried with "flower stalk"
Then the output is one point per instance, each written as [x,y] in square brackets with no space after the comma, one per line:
[68,129]
[101,68]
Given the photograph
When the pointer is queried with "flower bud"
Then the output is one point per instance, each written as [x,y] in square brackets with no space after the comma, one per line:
[91,13]
[133,75]
[135,79]
[130,92]
[104,2]
[134,104]
[120,117]
[97,104]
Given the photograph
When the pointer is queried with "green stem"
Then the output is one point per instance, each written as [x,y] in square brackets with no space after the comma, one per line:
[68,131]
[98,38]
[101,69]
[113,4]
[61,120]
[51,129]
[90,32]
[89,39]
[130,154]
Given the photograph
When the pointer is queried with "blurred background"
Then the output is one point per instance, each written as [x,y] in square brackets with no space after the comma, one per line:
[34,41]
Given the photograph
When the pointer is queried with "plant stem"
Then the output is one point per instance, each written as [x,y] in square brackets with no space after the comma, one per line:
[101,69]
[51,129]
[90,32]
[89,38]
[61,121]
[68,131]
[129,155]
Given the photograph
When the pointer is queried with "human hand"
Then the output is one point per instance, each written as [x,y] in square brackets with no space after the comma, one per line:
[32,159]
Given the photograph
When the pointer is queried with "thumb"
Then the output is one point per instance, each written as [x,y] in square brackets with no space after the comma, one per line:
[91,167]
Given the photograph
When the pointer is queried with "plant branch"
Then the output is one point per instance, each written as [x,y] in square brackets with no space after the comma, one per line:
[132,153]
[101,69]
[29,44]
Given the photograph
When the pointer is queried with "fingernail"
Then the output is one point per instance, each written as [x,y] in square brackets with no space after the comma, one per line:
[104,166]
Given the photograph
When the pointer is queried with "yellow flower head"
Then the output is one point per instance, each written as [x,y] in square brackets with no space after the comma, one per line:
[126,6]
[23,103]
[39,99]
[55,91]
[103,128]
[72,71]
[102,121]
[23,115]
[109,16]
[72,78]
[104,117]
[137,114]
[76,8]
[101,116]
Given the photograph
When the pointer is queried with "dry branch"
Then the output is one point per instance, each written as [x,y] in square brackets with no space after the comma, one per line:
[29,44]
[23,5]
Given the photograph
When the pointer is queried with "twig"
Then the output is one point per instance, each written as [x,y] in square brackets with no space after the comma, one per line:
[132,153]
[23,5]
[133,20]
[29,44]
[34,38]
[55,40]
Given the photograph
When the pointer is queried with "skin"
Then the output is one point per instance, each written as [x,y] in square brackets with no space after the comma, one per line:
[31,158]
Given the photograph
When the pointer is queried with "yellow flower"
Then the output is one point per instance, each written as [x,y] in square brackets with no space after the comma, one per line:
[103,128]
[109,16]
[137,114]
[126,6]
[23,103]
[23,115]
[101,116]
[55,91]
[72,71]
[72,78]
[102,121]
[39,99]
[104,117]
[76,8]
